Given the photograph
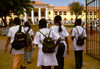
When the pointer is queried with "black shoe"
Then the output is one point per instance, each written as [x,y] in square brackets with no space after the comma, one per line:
[22,67]
[29,61]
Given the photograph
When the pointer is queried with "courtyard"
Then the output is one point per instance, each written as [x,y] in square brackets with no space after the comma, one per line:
[6,59]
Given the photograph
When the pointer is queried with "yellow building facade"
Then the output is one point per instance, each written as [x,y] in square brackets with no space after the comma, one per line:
[43,10]
[47,11]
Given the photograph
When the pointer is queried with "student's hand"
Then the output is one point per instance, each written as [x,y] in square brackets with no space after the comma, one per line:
[67,51]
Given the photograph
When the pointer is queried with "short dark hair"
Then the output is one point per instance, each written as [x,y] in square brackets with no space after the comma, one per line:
[26,24]
[17,21]
[42,23]
[57,19]
[78,21]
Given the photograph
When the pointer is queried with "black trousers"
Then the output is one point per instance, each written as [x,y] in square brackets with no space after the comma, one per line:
[59,56]
[78,59]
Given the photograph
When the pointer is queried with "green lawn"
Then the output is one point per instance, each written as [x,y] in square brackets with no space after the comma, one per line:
[6,59]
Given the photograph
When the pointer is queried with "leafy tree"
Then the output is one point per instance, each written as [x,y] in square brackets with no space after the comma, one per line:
[13,6]
[77,8]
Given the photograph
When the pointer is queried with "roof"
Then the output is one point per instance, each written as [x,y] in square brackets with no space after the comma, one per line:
[61,8]
[38,2]
[91,8]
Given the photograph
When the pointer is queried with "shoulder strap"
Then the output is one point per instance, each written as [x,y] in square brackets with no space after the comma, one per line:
[42,34]
[78,31]
[28,30]
[45,35]
[49,33]
[83,31]
[19,28]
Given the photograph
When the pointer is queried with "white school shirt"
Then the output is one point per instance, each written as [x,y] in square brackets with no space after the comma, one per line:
[75,33]
[62,34]
[43,58]
[30,31]
[11,34]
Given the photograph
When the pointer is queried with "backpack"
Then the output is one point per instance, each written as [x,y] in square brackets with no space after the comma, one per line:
[20,40]
[48,44]
[80,39]
[28,38]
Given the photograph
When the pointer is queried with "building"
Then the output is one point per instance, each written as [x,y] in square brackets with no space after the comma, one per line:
[47,11]
[43,10]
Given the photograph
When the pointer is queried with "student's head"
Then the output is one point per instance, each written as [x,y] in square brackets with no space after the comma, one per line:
[17,21]
[57,19]
[26,24]
[42,23]
[78,22]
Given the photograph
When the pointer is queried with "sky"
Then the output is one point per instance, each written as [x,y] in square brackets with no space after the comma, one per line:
[61,2]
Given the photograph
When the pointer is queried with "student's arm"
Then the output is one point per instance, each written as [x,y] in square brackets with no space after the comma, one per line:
[57,42]
[7,43]
[66,40]
[72,38]
[73,34]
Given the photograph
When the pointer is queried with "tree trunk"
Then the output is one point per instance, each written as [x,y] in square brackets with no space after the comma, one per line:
[76,17]
[4,21]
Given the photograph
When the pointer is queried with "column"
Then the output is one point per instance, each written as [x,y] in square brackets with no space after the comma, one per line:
[39,13]
[46,13]
[32,16]
[25,16]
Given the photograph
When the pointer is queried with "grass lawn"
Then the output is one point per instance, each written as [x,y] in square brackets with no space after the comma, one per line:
[6,59]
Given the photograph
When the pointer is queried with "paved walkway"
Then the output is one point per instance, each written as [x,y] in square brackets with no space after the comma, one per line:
[6,59]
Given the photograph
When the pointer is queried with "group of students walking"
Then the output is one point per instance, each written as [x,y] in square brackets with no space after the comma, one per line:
[60,36]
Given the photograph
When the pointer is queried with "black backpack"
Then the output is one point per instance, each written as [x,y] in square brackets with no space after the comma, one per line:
[20,40]
[48,44]
[80,39]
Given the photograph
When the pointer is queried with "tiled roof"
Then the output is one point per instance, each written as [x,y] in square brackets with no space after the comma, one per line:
[38,2]
[91,8]
[61,7]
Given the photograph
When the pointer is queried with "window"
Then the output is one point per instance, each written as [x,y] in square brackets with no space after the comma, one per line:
[55,12]
[64,12]
[71,13]
[60,12]
[49,12]
[95,13]
[90,12]
[71,19]
[35,13]
[65,19]
[90,18]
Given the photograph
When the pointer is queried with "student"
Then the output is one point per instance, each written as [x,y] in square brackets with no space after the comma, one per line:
[30,48]
[45,60]
[78,50]
[18,54]
[59,29]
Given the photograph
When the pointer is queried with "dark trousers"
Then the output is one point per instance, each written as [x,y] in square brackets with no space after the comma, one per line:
[78,58]
[60,63]
[59,56]
[46,67]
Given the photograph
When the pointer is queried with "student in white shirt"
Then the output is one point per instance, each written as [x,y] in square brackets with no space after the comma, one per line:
[78,50]
[18,54]
[59,29]
[28,29]
[45,60]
